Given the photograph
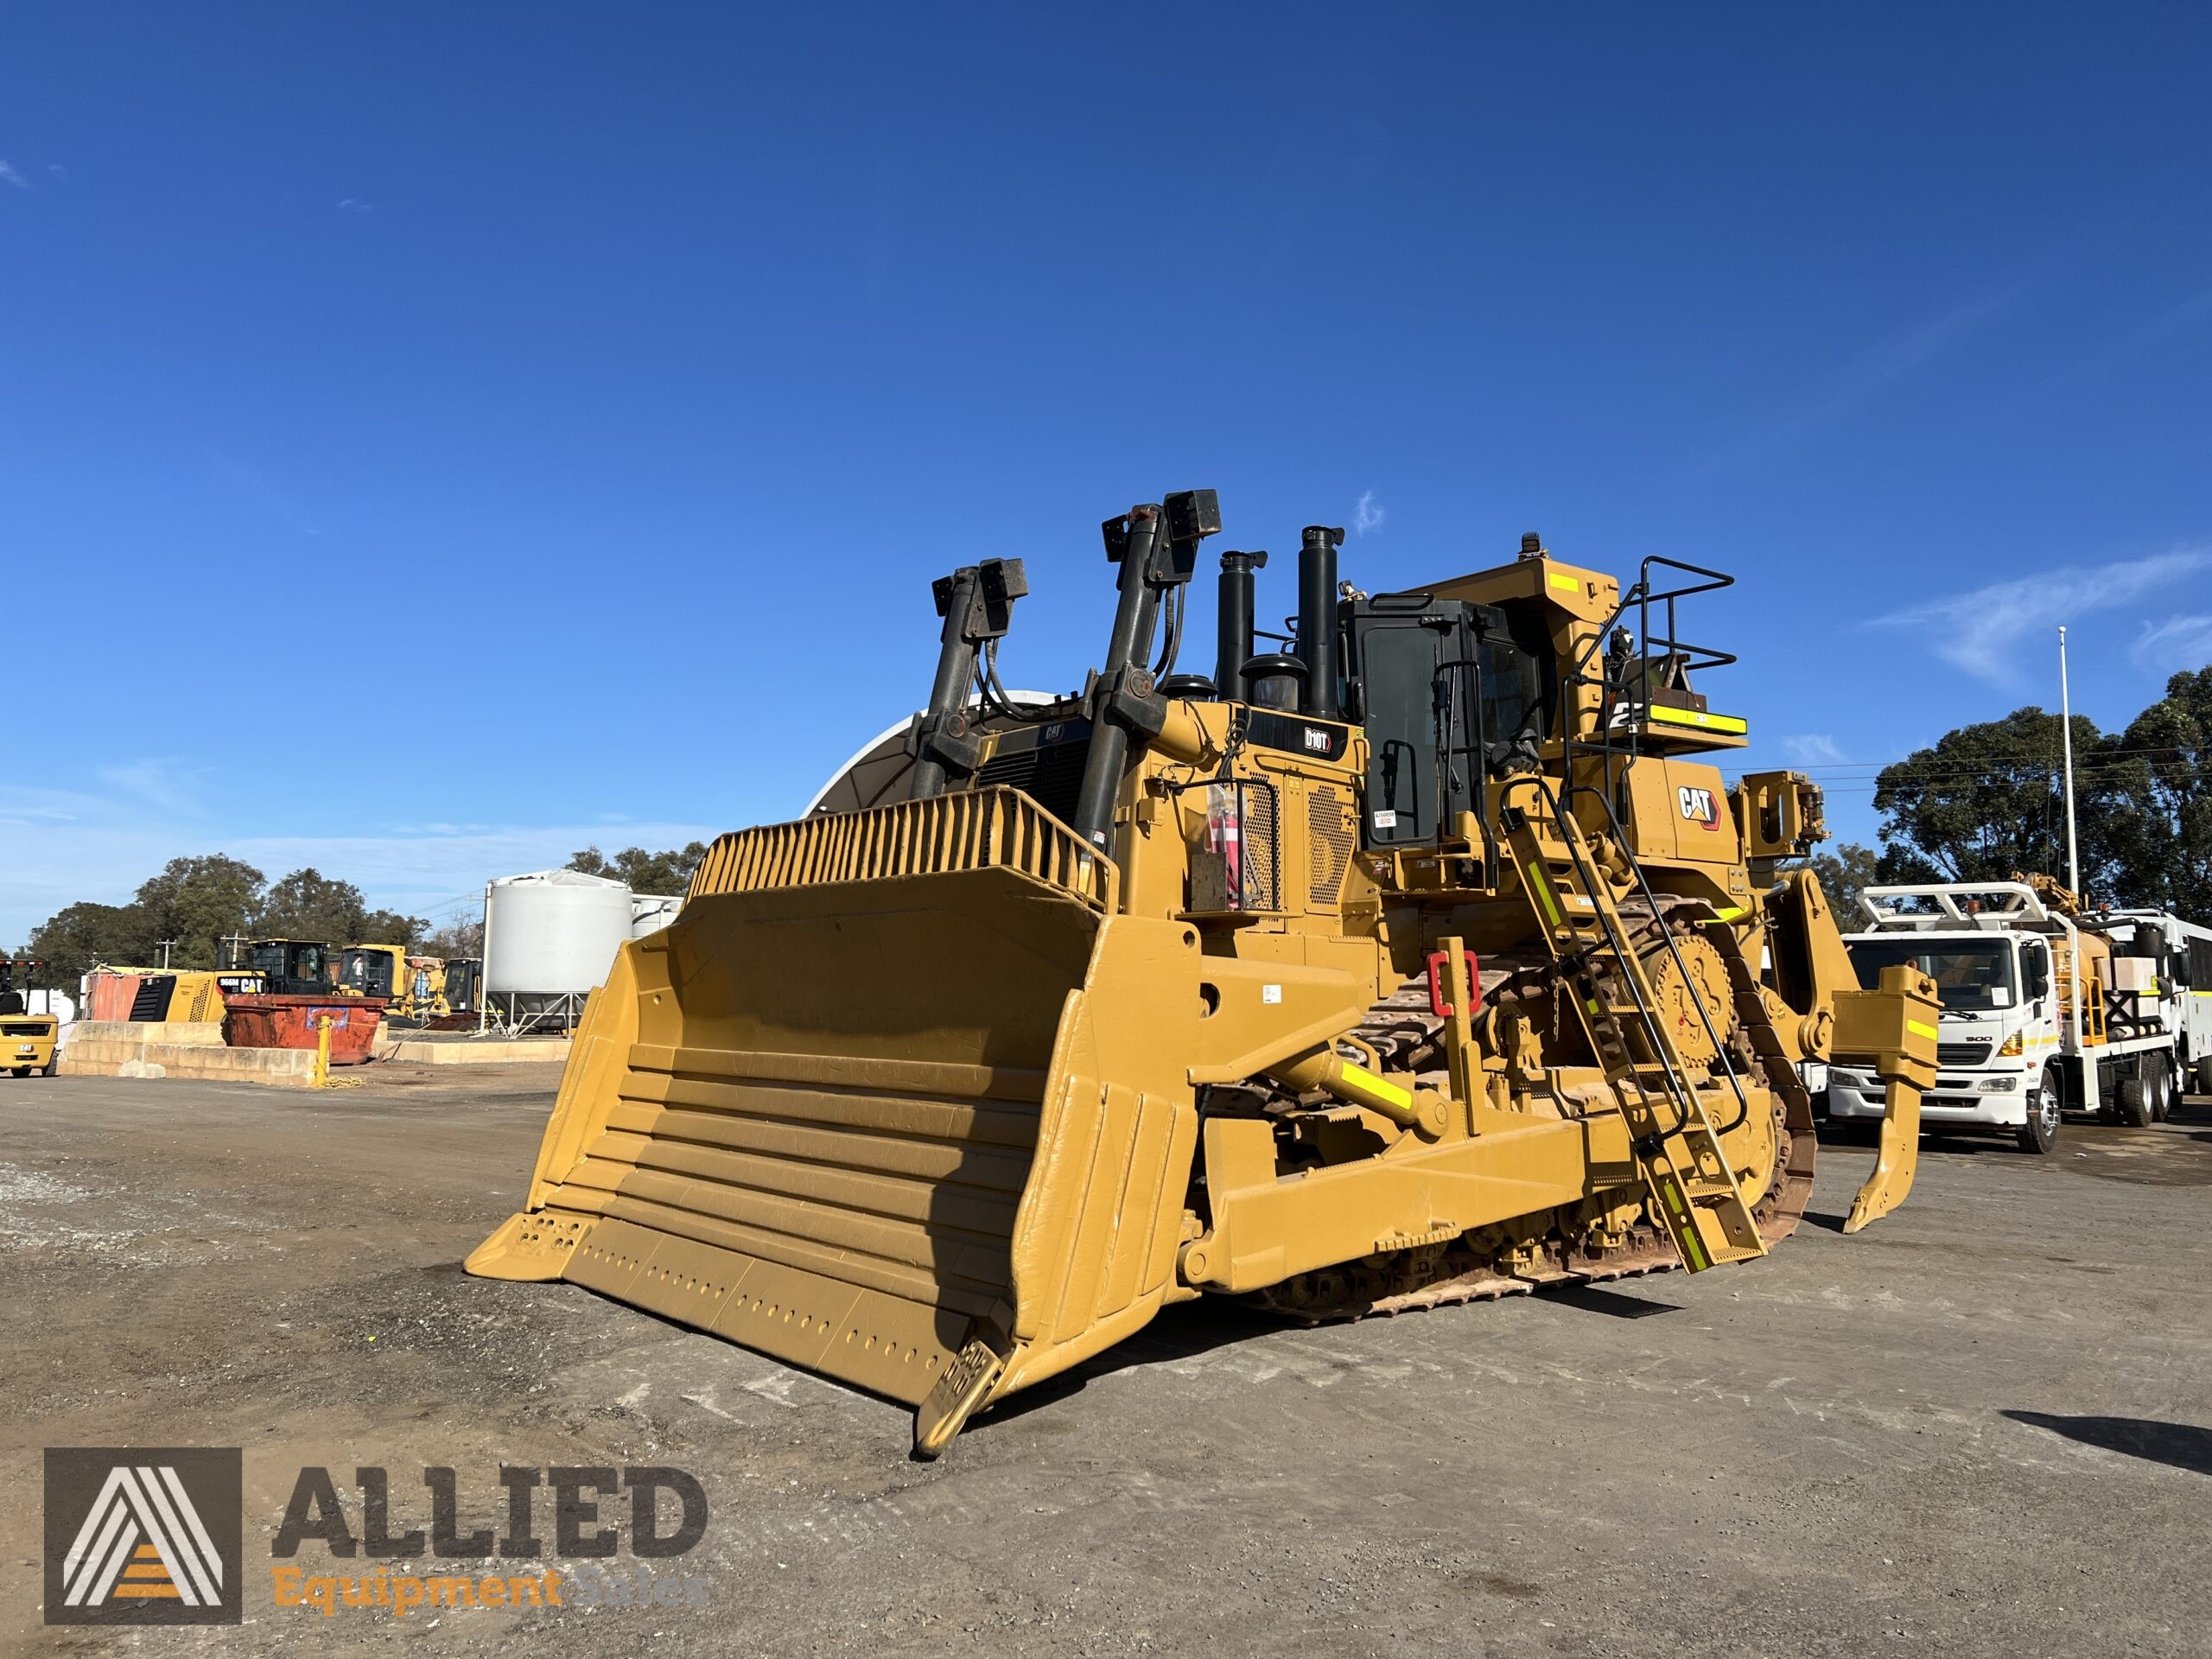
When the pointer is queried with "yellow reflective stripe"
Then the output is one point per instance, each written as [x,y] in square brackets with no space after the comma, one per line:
[1567,584]
[1733,913]
[1693,1251]
[1379,1087]
[1920,1029]
[1667,716]
[1551,904]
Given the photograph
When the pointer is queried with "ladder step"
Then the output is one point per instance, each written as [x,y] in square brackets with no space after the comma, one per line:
[1671,1139]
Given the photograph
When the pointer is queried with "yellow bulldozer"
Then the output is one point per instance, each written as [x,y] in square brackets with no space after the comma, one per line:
[1422,964]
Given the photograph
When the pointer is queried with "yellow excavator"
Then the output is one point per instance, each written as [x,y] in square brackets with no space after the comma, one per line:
[1425,963]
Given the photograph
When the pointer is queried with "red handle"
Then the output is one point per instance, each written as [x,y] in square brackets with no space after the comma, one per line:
[1437,981]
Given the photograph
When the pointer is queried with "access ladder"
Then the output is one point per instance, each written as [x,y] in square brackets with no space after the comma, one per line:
[1671,1138]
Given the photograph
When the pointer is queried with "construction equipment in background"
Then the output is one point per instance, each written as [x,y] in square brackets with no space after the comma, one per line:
[29,1037]
[464,976]
[287,967]
[1417,965]
[373,970]
[415,987]
[158,995]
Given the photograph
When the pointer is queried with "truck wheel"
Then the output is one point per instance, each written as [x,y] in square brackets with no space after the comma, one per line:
[2040,1133]
[19,1071]
[2133,1104]
[2158,1086]
[2204,1075]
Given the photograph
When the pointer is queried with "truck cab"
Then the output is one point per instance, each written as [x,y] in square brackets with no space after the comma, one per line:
[1999,1030]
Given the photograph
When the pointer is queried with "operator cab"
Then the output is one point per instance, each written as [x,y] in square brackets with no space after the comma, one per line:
[288,967]
[366,971]
[1447,691]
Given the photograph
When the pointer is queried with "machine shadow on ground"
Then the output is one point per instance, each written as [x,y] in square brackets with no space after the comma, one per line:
[2181,1446]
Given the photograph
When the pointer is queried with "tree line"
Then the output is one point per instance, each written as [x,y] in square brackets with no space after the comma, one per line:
[1988,799]
[662,875]
[196,903]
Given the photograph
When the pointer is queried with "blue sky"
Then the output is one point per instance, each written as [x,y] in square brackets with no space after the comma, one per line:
[432,438]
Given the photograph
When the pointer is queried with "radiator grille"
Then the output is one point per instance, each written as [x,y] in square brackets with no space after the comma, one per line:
[1050,774]
[1962,1053]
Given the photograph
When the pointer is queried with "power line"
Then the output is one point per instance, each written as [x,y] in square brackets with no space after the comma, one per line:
[2100,755]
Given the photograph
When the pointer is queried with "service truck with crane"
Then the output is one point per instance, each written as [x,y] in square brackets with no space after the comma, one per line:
[2048,1005]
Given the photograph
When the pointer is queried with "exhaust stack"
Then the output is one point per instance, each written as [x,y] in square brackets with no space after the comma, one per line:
[1235,620]
[1317,620]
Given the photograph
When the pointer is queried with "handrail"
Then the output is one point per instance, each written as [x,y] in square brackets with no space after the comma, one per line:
[1631,976]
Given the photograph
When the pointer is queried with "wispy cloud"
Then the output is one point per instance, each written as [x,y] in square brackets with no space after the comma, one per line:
[1367,517]
[55,169]
[355,204]
[1884,362]
[1981,631]
[2178,642]
[169,784]
[8,176]
[250,480]
[1814,749]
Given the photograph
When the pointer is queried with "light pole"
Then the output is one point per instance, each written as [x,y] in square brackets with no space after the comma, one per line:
[2066,738]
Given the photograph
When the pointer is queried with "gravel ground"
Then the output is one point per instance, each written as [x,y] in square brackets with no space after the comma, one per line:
[1984,1426]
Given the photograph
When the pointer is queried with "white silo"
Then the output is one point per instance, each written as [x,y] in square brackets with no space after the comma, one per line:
[549,938]
[648,913]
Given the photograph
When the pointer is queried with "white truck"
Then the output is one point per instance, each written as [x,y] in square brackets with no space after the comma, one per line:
[2045,1009]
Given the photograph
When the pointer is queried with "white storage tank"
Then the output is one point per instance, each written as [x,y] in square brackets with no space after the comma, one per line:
[552,934]
[648,914]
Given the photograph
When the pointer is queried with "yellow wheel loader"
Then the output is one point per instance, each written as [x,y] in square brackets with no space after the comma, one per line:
[1420,965]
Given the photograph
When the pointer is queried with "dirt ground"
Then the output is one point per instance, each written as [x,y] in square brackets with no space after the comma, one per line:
[1984,1426]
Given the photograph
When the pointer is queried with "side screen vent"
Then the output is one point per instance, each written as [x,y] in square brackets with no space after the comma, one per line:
[151,1004]
[1329,843]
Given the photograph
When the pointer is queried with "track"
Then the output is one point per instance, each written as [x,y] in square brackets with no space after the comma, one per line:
[1403,1030]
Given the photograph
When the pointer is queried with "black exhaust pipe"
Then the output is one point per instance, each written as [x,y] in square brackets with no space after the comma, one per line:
[1235,620]
[1317,620]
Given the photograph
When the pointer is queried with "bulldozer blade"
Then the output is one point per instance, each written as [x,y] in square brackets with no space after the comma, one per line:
[929,1132]
[1895,1162]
